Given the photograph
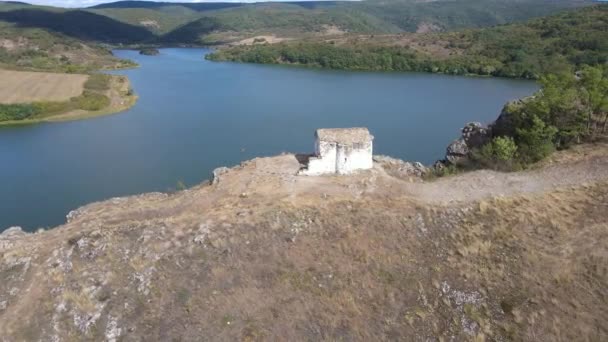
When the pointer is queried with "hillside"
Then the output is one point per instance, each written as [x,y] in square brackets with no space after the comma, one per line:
[141,22]
[528,50]
[38,49]
[262,254]
[49,67]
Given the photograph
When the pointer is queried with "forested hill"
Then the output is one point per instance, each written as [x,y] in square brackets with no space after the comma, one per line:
[137,22]
[527,50]
[50,38]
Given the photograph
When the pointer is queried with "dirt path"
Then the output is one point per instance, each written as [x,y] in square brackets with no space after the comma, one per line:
[590,166]
[275,178]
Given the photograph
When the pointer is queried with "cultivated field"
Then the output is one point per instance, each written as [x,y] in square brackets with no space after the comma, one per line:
[26,87]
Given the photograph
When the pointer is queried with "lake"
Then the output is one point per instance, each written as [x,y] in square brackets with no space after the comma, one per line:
[195,115]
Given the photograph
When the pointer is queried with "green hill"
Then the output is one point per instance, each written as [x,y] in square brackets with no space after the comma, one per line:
[48,34]
[135,22]
[527,50]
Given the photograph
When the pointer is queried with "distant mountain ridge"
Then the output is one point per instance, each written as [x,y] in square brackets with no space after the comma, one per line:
[139,22]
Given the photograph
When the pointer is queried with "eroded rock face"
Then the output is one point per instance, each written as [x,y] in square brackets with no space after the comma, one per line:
[474,135]
[217,174]
[8,237]
[400,167]
[457,151]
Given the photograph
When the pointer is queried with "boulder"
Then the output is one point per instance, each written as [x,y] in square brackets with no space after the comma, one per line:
[457,151]
[12,231]
[473,135]
[217,173]
[400,167]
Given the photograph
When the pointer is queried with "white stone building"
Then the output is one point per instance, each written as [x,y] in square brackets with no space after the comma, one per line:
[340,150]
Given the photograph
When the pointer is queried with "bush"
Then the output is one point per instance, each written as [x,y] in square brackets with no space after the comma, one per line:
[91,101]
[99,82]
[499,154]
[536,141]
[50,108]
[17,111]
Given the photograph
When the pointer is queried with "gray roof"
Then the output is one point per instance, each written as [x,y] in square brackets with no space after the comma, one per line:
[346,136]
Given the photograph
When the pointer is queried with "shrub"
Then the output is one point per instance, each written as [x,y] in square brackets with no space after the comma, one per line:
[17,111]
[535,141]
[499,154]
[98,82]
[50,108]
[91,101]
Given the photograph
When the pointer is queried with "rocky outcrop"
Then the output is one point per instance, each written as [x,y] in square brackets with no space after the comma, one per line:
[400,168]
[8,237]
[217,174]
[457,151]
[474,135]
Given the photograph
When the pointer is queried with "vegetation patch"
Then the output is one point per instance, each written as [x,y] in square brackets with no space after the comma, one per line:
[553,44]
[94,98]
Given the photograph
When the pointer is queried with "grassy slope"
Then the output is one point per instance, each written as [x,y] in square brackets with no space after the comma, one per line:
[39,49]
[517,50]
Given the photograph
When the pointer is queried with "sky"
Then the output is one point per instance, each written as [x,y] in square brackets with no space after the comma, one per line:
[87,3]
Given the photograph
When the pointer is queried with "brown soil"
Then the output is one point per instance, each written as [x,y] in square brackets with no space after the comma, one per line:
[263,254]
[270,39]
[26,87]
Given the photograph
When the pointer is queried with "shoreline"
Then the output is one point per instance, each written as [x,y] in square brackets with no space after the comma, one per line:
[120,101]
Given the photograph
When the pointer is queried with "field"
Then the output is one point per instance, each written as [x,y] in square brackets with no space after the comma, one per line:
[26,87]
[40,96]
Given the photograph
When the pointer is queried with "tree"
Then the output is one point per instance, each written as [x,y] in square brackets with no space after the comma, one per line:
[500,153]
[593,92]
[536,140]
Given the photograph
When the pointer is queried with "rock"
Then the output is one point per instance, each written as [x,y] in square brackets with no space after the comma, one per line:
[217,173]
[149,51]
[439,165]
[403,168]
[473,135]
[457,151]
[72,215]
[12,231]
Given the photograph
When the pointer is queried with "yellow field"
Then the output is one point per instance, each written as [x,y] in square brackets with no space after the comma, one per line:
[25,86]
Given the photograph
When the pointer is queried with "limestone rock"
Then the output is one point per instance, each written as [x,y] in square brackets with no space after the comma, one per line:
[457,151]
[12,231]
[473,135]
[217,173]
[400,167]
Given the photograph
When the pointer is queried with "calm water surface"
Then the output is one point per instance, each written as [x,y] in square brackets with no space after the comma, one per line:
[194,115]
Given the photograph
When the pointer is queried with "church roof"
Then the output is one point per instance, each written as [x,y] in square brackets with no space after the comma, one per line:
[346,136]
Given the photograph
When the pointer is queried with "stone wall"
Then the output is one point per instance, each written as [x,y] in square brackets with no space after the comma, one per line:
[331,157]
[353,158]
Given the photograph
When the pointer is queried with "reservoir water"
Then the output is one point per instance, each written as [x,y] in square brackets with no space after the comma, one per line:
[195,115]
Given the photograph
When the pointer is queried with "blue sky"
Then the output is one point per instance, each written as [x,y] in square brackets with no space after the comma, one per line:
[87,3]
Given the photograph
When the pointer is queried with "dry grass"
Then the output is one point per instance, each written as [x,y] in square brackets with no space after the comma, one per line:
[26,87]
[320,259]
